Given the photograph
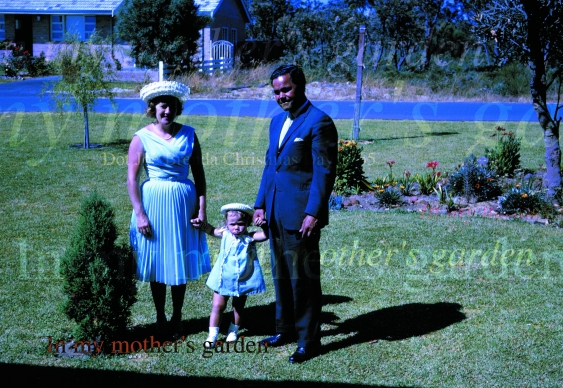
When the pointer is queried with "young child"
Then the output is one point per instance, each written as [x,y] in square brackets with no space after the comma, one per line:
[237,271]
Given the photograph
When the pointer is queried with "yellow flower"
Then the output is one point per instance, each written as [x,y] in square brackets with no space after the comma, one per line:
[381,190]
[524,195]
[402,187]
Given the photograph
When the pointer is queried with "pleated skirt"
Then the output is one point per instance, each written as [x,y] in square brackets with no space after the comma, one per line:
[176,252]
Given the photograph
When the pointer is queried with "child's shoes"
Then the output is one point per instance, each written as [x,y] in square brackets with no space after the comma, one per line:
[232,336]
[212,337]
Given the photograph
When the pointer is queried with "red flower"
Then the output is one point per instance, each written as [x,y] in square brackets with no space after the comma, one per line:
[432,164]
[390,163]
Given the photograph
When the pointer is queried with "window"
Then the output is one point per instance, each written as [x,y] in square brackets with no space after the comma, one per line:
[80,26]
[234,36]
[57,27]
[2,28]
[224,33]
[89,26]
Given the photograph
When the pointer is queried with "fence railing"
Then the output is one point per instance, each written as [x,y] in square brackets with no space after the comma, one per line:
[212,65]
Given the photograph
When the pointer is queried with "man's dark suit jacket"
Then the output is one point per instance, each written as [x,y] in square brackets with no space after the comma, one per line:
[300,173]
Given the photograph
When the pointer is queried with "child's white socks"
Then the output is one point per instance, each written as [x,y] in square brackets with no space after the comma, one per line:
[233,335]
[212,337]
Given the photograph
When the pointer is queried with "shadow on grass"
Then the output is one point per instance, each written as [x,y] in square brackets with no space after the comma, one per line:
[259,322]
[389,324]
[442,133]
[41,376]
[395,323]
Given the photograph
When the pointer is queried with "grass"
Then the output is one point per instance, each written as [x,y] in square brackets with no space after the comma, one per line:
[409,299]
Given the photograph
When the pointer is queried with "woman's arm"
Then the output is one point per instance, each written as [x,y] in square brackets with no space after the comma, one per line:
[196,164]
[208,228]
[135,159]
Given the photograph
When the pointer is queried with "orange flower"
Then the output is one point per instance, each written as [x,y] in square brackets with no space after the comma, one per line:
[524,195]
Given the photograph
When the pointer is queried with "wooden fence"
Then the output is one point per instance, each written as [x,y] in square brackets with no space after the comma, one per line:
[213,65]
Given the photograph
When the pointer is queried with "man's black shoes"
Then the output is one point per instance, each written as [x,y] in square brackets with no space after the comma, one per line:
[303,354]
[278,340]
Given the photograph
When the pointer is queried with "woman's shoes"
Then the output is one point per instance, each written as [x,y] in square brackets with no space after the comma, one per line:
[177,328]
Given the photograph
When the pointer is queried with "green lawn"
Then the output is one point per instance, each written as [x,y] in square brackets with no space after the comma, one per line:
[410,299]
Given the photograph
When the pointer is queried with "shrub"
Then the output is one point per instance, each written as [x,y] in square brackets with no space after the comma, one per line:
[474,180]
[98,275]
[505,157]
[521,200]
[350,176]
[38,66]
[389,196]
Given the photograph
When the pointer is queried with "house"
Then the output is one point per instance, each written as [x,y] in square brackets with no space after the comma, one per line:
[36,24]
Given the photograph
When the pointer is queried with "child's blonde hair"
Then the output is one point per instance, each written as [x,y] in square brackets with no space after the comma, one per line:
[244,216]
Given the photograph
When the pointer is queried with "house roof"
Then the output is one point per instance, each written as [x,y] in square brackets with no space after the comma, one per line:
[208,7]
[92,7]
[67,7]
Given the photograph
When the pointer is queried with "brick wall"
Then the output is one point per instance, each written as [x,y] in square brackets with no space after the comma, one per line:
[10,25]
[41,30]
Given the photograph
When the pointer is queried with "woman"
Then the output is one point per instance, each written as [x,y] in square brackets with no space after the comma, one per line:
[168,249]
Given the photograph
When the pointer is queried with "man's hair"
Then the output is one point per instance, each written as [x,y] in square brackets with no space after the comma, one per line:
[294,71]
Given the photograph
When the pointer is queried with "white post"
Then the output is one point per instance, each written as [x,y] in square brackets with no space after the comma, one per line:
[160,71]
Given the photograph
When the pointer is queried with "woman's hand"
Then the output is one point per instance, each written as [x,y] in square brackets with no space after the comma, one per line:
[198,223]
[144,226]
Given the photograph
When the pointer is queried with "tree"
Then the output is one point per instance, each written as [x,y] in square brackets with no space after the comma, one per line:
[87,72]
[400,25]
[98,275]
[437,14]
[161,30]
[529,31]
[266,15]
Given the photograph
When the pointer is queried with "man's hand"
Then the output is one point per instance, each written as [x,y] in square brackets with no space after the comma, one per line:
[308,226]
[258,217]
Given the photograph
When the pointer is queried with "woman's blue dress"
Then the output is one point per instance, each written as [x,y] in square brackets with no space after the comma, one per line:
[176,252]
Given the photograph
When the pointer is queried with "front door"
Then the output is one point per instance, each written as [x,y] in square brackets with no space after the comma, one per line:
[24,33]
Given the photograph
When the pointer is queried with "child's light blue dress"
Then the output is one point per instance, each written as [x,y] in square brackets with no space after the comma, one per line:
[176,252]
[237,270]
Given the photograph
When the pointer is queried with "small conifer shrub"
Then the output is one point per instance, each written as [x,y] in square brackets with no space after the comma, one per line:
[98,275]
[350,178]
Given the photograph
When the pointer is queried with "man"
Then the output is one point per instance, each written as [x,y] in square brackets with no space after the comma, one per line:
[294,192]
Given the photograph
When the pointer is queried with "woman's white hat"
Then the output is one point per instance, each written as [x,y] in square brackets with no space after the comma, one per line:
[165,88]
[241,207]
